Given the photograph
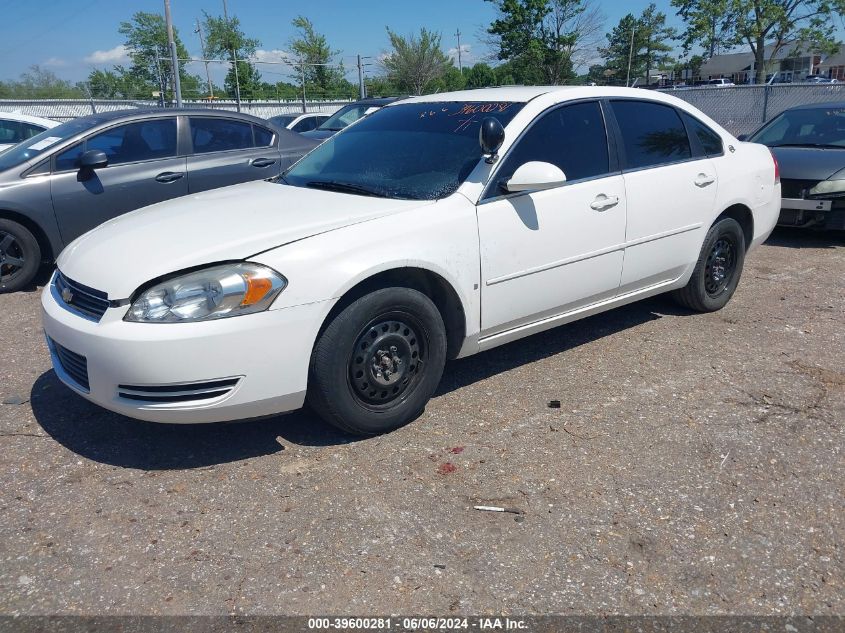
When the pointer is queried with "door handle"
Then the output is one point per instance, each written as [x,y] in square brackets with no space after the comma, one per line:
[603,202]
[169,176]
[262,162]
[702,180]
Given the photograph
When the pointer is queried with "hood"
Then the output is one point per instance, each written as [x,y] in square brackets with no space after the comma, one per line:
[318,134]
[225,224]
[809,163]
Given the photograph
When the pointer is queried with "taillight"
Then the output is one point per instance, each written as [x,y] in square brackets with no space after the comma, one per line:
[777,168]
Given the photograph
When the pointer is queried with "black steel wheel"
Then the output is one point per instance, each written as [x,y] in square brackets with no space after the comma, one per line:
[20,256]
[718,269]
[387,360]
[720,266]
[378,361]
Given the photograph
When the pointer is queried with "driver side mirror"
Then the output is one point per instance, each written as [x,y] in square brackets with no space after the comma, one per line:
[93,159]
[535,176]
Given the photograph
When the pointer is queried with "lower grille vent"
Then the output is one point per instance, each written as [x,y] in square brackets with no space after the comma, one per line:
[186,392]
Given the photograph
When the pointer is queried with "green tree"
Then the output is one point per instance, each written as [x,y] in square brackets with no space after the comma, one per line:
[118,83]
[415,61]
[451,80]
[480,76]
[756,23]
[225,39]
[705,24]
[544,39]
[149,52]
[638,43]
[312,49]
[655,36]
[40,83]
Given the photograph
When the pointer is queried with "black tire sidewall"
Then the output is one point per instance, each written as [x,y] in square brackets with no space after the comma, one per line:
[727,227]
[329,392]
[31,252]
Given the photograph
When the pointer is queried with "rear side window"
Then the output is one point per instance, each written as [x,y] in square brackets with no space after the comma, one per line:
[652,133]
[306,124]
[219,135]
[572,137]
[709,142]
[263,137]
[17,131]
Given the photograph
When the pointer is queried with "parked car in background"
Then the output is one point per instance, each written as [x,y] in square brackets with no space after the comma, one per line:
[66,180]
[720,82]
[819,79]
[299,122]
[348,114]
[16,128]
[809,143]
[435,228]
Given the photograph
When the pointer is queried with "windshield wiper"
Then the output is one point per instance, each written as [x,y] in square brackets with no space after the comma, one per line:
[822,145]
[345,187]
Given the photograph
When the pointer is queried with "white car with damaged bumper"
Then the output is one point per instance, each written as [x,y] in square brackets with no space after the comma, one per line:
[436,228]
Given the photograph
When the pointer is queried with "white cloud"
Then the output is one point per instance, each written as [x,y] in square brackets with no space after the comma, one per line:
[55,62]
[115,55]
[275,55]
[467,58]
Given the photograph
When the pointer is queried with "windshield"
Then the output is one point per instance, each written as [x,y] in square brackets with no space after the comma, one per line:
[816,127]
[283,119]
[345,116]
[40,143]
[419,151]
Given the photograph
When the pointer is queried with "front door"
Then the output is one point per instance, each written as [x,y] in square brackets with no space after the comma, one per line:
[544,253]
[143,169]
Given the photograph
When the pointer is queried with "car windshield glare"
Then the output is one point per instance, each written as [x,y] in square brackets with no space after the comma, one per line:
[36,146]
[823,127]
[345,116]
[418,151]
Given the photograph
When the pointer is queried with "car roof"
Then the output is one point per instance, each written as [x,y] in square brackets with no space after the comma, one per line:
[140,113]
[524,94]
[820,106]
[26,118]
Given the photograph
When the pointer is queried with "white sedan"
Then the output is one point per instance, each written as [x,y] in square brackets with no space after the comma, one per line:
[16,127]
[438,227]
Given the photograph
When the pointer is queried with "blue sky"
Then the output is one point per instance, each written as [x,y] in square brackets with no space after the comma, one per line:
[70,37]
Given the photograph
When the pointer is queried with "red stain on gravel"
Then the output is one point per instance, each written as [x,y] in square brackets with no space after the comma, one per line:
[447,468]
[457,450]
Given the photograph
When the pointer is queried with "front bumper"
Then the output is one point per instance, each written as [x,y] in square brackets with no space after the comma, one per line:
[811,213]
[229,369]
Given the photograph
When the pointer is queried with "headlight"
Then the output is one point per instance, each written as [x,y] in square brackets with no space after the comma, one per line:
[827,187]
[214,293]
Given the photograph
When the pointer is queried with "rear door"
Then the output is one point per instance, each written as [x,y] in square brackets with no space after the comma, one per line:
[144,168]
[227,151]
[671,192]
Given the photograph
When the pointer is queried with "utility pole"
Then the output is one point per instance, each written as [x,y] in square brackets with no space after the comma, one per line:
[234,62]
[460,65]
[362,93]
[630,55]
[302,68]
[174,58]
[207,74]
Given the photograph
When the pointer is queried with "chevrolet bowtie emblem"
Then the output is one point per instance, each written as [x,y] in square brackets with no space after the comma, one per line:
[67,295]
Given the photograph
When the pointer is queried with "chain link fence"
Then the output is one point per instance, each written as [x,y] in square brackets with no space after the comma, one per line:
[65,109]
[742,109]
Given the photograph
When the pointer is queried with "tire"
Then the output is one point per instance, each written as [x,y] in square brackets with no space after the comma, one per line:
[378,362]
[717,270]
[20,256]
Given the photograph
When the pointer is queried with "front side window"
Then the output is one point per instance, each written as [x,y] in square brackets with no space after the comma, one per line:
[346,115]
[420,151]
[652,133]
[571,137]
[306,124]
[219,135]
[708,140]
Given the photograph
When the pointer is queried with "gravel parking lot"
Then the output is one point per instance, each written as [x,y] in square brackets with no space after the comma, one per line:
[695,465]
